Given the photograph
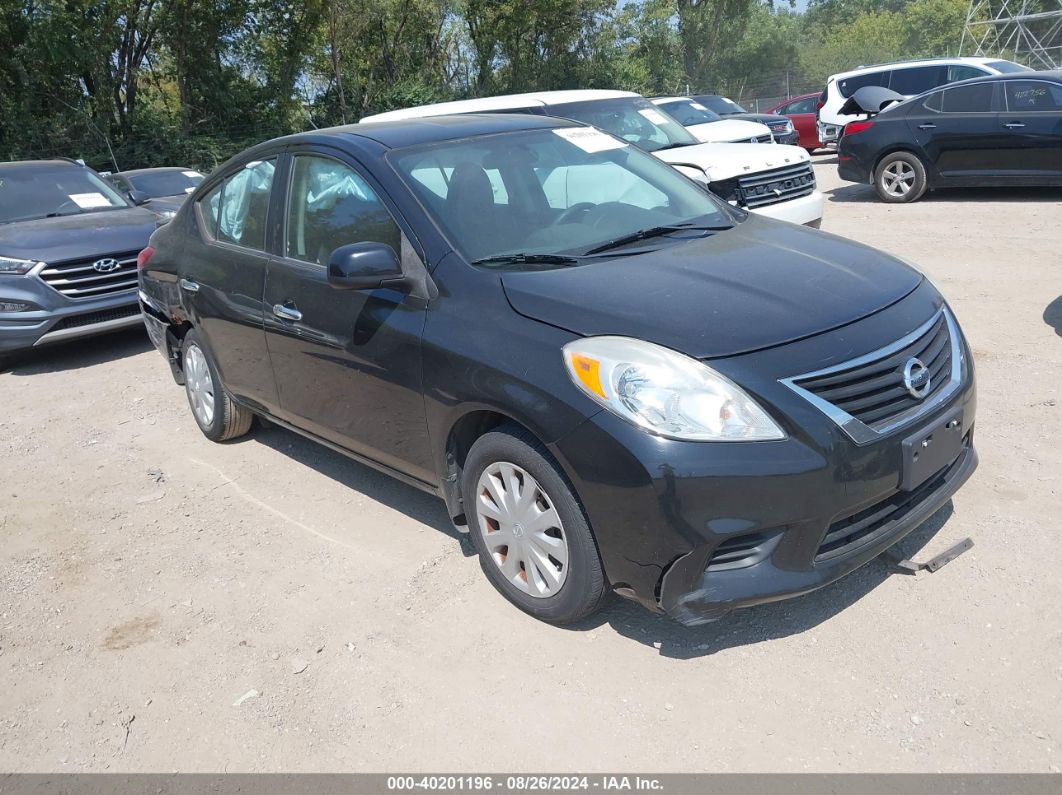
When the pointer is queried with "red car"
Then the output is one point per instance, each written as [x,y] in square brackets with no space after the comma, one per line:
[801,110]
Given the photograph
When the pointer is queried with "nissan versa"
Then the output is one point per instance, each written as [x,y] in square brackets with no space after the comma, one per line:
[645,391]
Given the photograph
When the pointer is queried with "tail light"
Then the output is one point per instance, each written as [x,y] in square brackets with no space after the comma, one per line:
[819,105]
[854,127]
[143,257]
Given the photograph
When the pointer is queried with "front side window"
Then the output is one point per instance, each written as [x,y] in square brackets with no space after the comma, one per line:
[30,192]
[1032,96]
[917,80]
[331,205]
[242,205]
[567,190]
[800,106]
[958,72]
[973,98]
[633,119]
[1007,67]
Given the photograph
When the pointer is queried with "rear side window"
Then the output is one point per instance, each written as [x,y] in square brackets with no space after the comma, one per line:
[1032,96]
[330,206]
[975,98]
[236,210]
[849,85]
[910,82]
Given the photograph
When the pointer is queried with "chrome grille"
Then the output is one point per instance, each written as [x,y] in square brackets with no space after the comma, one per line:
[867,396]
[779,126]
[79,279]
[761,139]
[776,185]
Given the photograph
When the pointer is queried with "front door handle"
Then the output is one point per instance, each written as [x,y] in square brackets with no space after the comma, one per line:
[927,126]
[189,285]
[1013,125]
[287,312]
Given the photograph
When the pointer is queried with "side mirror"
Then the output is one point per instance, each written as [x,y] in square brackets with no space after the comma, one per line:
[364,266]
[138,197]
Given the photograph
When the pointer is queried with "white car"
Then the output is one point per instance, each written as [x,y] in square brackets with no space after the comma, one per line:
[907,78]
[708,126]
[769,179]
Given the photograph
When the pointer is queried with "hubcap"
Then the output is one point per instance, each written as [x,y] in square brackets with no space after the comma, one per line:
[522,530]
[199,384]
[898,178]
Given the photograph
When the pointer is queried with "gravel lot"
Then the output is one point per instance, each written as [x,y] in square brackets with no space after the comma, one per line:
[150,580]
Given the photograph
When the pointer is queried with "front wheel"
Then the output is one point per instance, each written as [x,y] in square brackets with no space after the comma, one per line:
[533,539]
[216,414]
[900,177]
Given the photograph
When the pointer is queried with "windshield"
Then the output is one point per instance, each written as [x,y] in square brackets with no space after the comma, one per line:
[721,105]
[1007,67]
[688,112]
[50,191]
[633,119]
[550,193]
[165,183]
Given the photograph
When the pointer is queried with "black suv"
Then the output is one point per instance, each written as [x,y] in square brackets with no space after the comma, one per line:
[68,249]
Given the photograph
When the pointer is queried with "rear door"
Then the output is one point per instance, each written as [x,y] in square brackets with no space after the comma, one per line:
[959,130]
[1032,121]
[221,278]
[347,363]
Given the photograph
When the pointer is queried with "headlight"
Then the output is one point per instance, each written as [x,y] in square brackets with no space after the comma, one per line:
[665,392]
[16,266]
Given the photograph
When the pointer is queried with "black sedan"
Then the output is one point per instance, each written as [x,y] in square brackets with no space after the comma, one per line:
[781,127]
[614,380]
[1003,130]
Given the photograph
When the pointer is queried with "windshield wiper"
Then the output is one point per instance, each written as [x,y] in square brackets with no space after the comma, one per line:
[654,231]
[528,259]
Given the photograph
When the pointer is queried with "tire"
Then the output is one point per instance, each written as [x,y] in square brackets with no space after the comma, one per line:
[217,415]
[900,177]
[562,535]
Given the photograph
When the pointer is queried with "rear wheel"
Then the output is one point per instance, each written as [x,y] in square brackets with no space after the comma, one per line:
[527,525]
[900,177]
[216,414]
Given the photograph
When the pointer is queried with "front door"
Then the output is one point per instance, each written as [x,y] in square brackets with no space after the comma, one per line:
[347,363]
[222,279]
[1033,127]
[960,131]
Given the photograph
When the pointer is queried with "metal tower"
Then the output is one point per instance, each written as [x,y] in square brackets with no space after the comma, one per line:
[1027,31]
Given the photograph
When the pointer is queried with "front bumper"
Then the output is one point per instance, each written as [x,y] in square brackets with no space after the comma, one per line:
[806,210]
[55,318]
[696,530]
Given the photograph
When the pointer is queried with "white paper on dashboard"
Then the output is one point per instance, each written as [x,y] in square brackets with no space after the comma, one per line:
[88,200]
[191,174]
[588,139]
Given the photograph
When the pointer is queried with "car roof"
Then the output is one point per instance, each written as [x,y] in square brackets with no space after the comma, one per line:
[434,129]
[533,99]
[136,172]
[955,59]
[12,165]
[662,100]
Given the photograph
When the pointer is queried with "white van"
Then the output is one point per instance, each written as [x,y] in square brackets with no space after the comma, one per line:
[770,179]
[908,78]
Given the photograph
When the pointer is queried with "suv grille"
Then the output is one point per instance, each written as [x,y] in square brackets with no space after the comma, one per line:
[79,279]
[868,396]
[776,185]
[779,126]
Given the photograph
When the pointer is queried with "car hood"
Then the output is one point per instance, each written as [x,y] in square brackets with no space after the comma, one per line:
[726,130]
[723,161]
[84,235]
[761,118]
[762,283]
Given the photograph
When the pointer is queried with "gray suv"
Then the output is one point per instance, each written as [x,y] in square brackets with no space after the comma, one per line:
[68,250]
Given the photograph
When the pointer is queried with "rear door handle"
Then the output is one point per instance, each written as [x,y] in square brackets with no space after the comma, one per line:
[1013,125]
[927,126]
[287,312]
[189,285]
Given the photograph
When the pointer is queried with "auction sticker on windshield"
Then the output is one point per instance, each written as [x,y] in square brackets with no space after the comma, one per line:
[655,116]
[589,139]
[89,200]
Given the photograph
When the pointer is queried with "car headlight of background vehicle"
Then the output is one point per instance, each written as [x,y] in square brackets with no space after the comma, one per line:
[17,266]
[665,392]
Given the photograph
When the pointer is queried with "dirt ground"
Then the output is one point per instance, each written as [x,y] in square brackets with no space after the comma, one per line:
[167,603]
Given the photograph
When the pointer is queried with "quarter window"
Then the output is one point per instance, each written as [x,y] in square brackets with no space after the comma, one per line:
[974,98]
[330,206]
[236,210]
[1032,96]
